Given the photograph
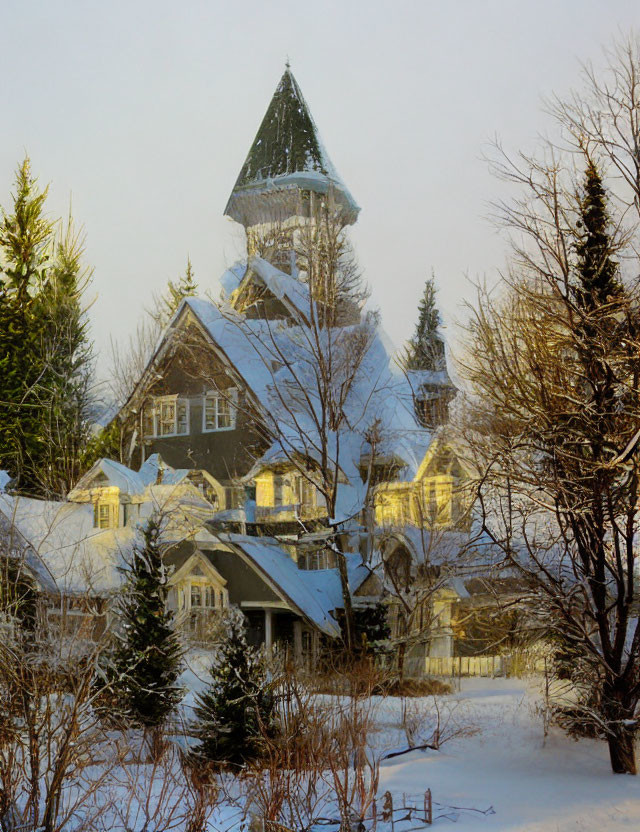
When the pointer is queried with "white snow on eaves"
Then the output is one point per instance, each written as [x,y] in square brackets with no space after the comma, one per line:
[315,594]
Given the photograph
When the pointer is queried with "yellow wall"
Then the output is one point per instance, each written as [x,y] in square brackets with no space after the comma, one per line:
[267,491]
[433,499]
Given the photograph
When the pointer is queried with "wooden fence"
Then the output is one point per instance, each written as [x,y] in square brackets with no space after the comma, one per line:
[505,665]
[465,665]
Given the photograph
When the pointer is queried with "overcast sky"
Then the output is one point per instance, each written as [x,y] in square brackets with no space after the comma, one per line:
[143,112]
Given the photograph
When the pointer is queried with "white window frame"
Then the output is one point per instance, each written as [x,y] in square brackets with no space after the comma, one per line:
[176,400]
[229,396]
[99,521]
[305,487]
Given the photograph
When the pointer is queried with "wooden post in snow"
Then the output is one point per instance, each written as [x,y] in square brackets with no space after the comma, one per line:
[428,807]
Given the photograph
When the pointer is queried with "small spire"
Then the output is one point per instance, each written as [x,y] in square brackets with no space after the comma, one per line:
[287,63]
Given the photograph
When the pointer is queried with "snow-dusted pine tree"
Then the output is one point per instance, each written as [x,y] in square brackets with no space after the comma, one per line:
[167,305]
[146,663]
[238,708]
[425,350]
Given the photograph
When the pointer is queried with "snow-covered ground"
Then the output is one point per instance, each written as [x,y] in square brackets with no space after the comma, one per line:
[557,786]
[499,773]
[495,771]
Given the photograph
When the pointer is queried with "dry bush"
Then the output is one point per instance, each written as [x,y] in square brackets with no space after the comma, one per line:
[430,723]
[49,736]
[417,687]
[165,793]
[361,676]
[319,765]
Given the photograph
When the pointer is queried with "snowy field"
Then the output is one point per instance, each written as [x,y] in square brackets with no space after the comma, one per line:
[563,785]
[499,773]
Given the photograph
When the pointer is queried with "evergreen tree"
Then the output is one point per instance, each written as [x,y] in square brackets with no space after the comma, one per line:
[426,350]
[66,353]
[596,270]
[45,356]
[25,248]
[238,708]
[168,304]
[104,444]
[18,596]
[144,669]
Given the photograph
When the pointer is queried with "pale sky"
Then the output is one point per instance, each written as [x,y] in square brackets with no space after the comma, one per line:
[143,112]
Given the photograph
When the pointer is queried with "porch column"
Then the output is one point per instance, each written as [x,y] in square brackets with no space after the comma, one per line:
[268,629]
[297,641]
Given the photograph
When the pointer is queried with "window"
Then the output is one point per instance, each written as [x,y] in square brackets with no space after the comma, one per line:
[437,498]
[104,515]
[166,416]
[196,596]
[278,490]
[219,410]
[305,492]
[320,559]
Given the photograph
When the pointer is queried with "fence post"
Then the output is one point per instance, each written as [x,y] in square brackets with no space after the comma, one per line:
[428,807]
[387,809]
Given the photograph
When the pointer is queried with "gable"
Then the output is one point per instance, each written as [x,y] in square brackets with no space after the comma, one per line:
[195,564]
[441,459]
[254,299]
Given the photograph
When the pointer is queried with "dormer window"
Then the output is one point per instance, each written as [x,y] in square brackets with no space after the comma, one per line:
[167,416]
[219,410]
[105,515]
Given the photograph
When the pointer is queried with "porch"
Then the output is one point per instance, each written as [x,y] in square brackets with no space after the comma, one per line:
[280,630]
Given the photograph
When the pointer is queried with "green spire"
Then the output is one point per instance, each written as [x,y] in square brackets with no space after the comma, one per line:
[287,140]
[286,154]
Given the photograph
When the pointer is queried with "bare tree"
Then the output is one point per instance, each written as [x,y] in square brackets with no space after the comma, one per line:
[325,375]
[128,362]
[555,373]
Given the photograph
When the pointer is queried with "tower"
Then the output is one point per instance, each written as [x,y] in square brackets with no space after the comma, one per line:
[286,177]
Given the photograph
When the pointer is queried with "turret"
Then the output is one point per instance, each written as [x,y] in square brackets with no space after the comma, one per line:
[286,176]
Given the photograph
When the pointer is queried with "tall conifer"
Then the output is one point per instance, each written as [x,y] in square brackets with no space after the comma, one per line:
[167,305]
[146,664]
[426,350]
[45,354]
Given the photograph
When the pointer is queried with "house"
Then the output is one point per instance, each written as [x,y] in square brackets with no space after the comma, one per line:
[211,400]
[226,436]
[76,552]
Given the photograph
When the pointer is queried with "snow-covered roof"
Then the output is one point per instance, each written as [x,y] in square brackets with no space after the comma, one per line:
[442,546]
[110,472]
[270,355]
[282,285]
[148,472]
[64,548]
[314,593]
[69,555]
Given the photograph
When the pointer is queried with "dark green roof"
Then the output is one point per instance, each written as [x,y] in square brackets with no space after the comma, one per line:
[287,140]
[287,149]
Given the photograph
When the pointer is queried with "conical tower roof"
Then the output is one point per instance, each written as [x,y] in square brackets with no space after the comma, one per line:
[287,153]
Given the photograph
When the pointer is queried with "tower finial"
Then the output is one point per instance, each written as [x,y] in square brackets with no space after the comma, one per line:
[287,63]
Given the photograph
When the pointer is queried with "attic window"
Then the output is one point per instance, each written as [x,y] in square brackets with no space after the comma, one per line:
[167,416]
[104,515]
[219,410]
